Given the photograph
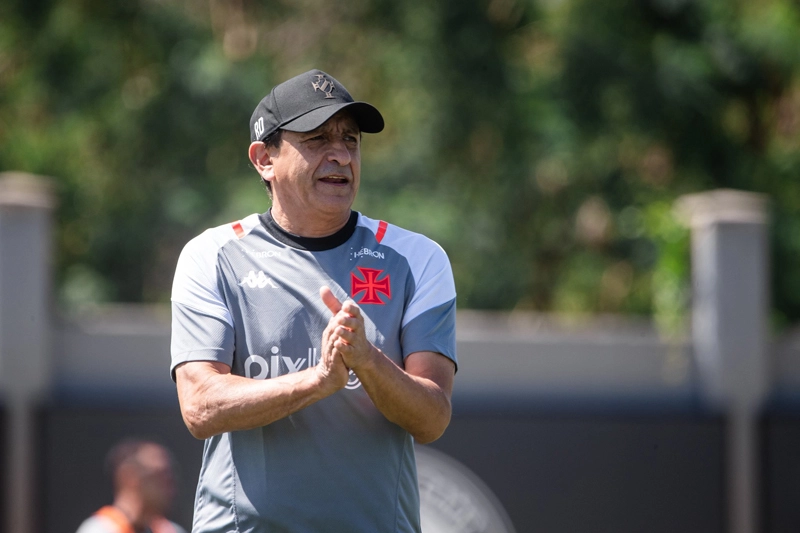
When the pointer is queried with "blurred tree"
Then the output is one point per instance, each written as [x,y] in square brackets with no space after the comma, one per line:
[684,96]
[130,105]
[541,143]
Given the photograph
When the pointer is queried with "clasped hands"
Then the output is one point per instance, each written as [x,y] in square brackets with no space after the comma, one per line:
[344,341]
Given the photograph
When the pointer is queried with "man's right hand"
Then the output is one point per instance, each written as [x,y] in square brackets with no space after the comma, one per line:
[214,401]
[331,369]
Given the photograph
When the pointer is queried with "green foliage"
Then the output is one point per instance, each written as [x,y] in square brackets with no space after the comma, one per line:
[543,144]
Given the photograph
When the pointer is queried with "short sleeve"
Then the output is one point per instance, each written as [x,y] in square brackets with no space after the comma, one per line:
[199,336]
[202,326]
[195,284]
[432,331]
[429,322]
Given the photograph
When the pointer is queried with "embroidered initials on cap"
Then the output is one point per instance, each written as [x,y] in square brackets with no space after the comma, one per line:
[323,84]
[258,127]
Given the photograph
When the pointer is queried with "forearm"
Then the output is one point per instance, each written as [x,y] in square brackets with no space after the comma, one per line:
[216,402]
[417,403]
[416,397]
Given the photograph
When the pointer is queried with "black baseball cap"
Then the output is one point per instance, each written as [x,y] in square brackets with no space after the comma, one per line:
[305,102]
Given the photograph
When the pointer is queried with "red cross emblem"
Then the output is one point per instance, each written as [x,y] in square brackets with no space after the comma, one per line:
[371,285]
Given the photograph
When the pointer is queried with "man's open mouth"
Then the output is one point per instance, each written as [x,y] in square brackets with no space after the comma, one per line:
[336,180]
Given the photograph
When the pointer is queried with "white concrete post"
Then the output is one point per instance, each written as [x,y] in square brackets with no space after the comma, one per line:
[730,274]
[26,205]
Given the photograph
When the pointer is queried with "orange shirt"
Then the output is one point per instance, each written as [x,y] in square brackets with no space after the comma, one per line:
[115,516]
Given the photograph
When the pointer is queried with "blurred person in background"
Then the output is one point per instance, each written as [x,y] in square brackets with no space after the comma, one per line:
[144,487]
[311,345]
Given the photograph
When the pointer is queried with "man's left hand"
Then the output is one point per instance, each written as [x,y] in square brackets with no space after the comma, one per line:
[349,335]
[415,396]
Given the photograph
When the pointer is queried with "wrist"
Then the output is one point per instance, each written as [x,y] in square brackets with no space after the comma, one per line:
[324,382]
[369,362]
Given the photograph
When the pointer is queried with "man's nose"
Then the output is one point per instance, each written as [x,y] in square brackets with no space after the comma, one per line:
[339,153]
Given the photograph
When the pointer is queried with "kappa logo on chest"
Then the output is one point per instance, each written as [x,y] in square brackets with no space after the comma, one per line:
[257,281]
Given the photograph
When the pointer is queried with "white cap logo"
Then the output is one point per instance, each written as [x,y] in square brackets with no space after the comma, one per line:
[258,127]
[323,84]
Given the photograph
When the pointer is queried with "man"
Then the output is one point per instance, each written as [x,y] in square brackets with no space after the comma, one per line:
[312,345]
[143,490]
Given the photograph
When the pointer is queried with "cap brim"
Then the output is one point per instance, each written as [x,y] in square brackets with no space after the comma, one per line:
[369,119]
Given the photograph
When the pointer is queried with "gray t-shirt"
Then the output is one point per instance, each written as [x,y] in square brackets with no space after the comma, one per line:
[247,294]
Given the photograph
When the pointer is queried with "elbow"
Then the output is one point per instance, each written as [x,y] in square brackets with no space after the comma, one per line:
[435,427]
[199,432]
[427,438]
[198,422]
[430,434]
[195,393]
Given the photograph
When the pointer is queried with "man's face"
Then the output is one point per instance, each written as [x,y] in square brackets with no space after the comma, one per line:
[155,478]
[318,172]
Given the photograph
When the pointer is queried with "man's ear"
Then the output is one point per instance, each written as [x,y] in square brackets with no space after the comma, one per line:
[261,160]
